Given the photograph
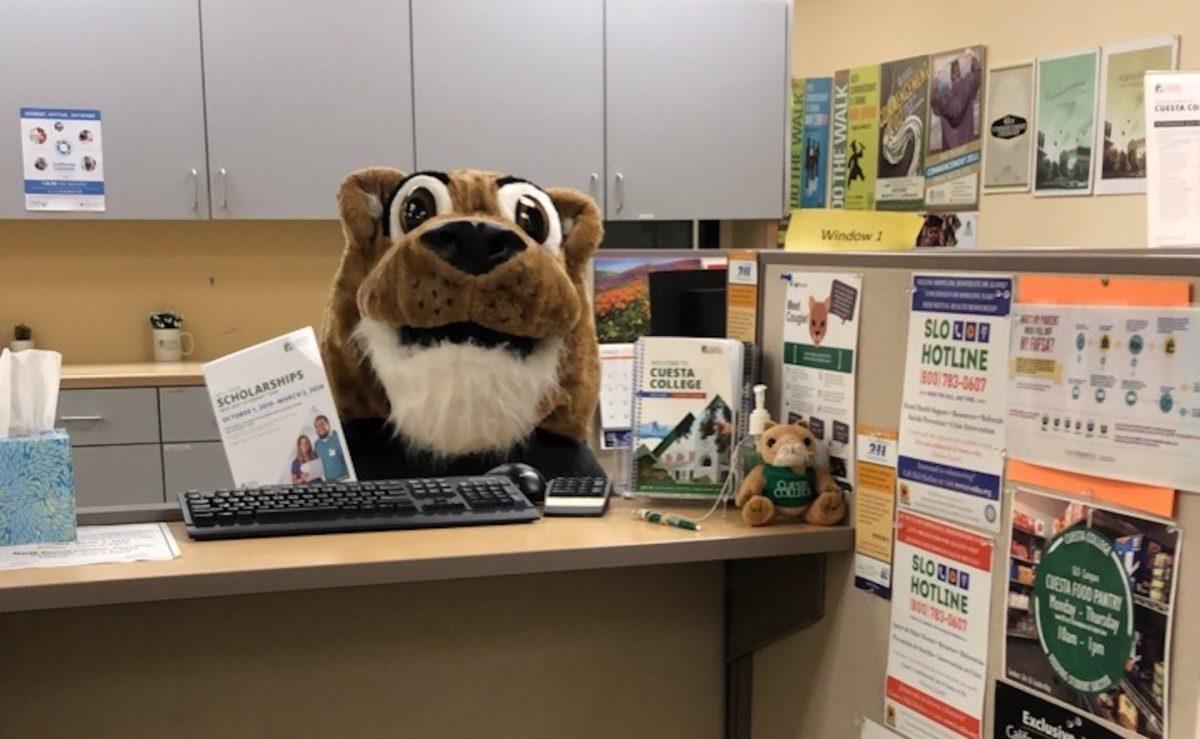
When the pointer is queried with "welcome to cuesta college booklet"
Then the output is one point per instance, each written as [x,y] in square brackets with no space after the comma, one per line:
[276,414]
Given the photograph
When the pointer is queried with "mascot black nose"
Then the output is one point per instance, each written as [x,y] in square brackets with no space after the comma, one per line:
[475,247]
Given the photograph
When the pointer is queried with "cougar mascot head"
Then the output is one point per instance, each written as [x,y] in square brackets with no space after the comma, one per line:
[459,333]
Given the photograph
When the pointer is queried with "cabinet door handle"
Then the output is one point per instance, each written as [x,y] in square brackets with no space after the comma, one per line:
[593,181]
[224,189]
[619,179]
[195,189]
[80,419]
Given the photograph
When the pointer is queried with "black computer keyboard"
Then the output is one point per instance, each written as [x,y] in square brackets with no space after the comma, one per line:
[280,510]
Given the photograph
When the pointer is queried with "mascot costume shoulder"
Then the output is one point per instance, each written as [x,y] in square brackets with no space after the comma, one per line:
[459,334]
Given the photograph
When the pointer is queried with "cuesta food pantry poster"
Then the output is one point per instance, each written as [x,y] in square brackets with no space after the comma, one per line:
[952,413]
[1089,606]
[937,653]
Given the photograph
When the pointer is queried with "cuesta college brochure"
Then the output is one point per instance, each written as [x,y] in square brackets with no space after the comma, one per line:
[686,395]
[278,422]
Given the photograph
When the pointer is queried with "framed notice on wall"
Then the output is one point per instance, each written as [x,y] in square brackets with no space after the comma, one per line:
[1121,129]
[1008,152]
[1066,122]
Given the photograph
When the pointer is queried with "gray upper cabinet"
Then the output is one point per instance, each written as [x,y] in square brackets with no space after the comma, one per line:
[515,86]
[697,94]
[138,63]
[299,94]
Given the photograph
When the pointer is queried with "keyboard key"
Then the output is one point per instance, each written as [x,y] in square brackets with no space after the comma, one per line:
[314,513]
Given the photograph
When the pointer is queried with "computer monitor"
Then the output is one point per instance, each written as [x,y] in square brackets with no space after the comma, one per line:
[688,303]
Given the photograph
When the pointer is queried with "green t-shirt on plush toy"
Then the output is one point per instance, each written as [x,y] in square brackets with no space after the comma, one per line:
[787,488]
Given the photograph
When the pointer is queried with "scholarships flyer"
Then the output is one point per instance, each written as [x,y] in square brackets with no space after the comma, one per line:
[820,349]
[862,139]
[817,98]
[951,460]
[955,129]
[1089,603]
[1108,391]
[276,414]
[63,163]
[903,95]
[937,652]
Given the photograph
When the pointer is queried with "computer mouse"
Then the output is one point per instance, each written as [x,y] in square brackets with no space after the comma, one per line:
[527,479]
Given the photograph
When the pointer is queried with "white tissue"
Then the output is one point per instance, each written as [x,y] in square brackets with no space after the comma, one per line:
[31,398]
[5,390]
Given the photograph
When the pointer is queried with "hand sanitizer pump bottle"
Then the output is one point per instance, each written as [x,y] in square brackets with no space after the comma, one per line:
[746,455]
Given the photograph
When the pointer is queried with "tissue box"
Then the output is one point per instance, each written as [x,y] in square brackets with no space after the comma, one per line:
[37,489]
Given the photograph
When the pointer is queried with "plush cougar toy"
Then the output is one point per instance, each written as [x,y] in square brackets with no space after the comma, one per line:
[793,481]
[459,334]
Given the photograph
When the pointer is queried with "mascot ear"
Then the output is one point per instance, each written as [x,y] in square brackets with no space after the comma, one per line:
[360,203]
[582,226]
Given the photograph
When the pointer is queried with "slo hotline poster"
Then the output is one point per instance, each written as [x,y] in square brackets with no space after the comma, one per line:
[952,433]
[937,652]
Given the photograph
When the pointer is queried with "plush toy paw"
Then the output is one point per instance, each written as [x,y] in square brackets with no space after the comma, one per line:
[829,508]
[758,510]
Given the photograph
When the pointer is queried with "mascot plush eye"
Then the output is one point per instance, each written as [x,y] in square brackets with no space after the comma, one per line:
[533,212]
[419,198]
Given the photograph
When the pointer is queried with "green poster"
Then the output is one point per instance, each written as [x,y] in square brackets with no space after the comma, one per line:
[1066,122]
[862,147]
[1084,610]
[1122,136]
[797,142]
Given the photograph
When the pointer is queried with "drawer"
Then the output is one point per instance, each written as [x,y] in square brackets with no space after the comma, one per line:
[187,414]
[117,416]
[198,466]
[118,475]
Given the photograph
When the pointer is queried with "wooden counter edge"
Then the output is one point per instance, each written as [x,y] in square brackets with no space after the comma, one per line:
[312,577]
[142,374]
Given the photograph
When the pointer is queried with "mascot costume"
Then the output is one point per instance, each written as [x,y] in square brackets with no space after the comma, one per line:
[459,334]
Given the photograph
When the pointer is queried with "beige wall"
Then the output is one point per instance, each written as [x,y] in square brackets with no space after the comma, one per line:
[87,287]
[835,35]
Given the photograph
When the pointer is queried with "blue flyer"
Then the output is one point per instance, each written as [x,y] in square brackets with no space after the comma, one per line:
[817,98]
[62,159]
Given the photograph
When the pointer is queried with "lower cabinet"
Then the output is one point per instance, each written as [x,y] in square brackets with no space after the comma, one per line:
[134,446]
[118,475]
[197,465]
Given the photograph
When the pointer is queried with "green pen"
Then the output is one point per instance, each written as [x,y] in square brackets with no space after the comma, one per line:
[666,519]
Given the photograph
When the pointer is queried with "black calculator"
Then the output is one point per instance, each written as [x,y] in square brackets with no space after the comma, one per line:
[577,496]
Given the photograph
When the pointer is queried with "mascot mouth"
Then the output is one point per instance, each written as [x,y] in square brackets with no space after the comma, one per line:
[465,332]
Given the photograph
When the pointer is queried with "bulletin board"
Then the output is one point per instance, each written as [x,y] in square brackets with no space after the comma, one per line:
[821,681]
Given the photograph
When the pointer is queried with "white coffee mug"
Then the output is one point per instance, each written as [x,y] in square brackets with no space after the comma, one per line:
[169,344]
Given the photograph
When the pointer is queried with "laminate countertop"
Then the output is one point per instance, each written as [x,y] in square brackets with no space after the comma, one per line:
[234,567]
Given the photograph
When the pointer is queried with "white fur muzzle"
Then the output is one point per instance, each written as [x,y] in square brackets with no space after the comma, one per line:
[460,398]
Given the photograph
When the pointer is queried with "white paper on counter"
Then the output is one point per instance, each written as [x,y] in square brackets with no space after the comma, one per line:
[95,545]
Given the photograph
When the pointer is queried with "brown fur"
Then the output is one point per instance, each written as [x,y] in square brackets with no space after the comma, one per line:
[758,510]
[400,281]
